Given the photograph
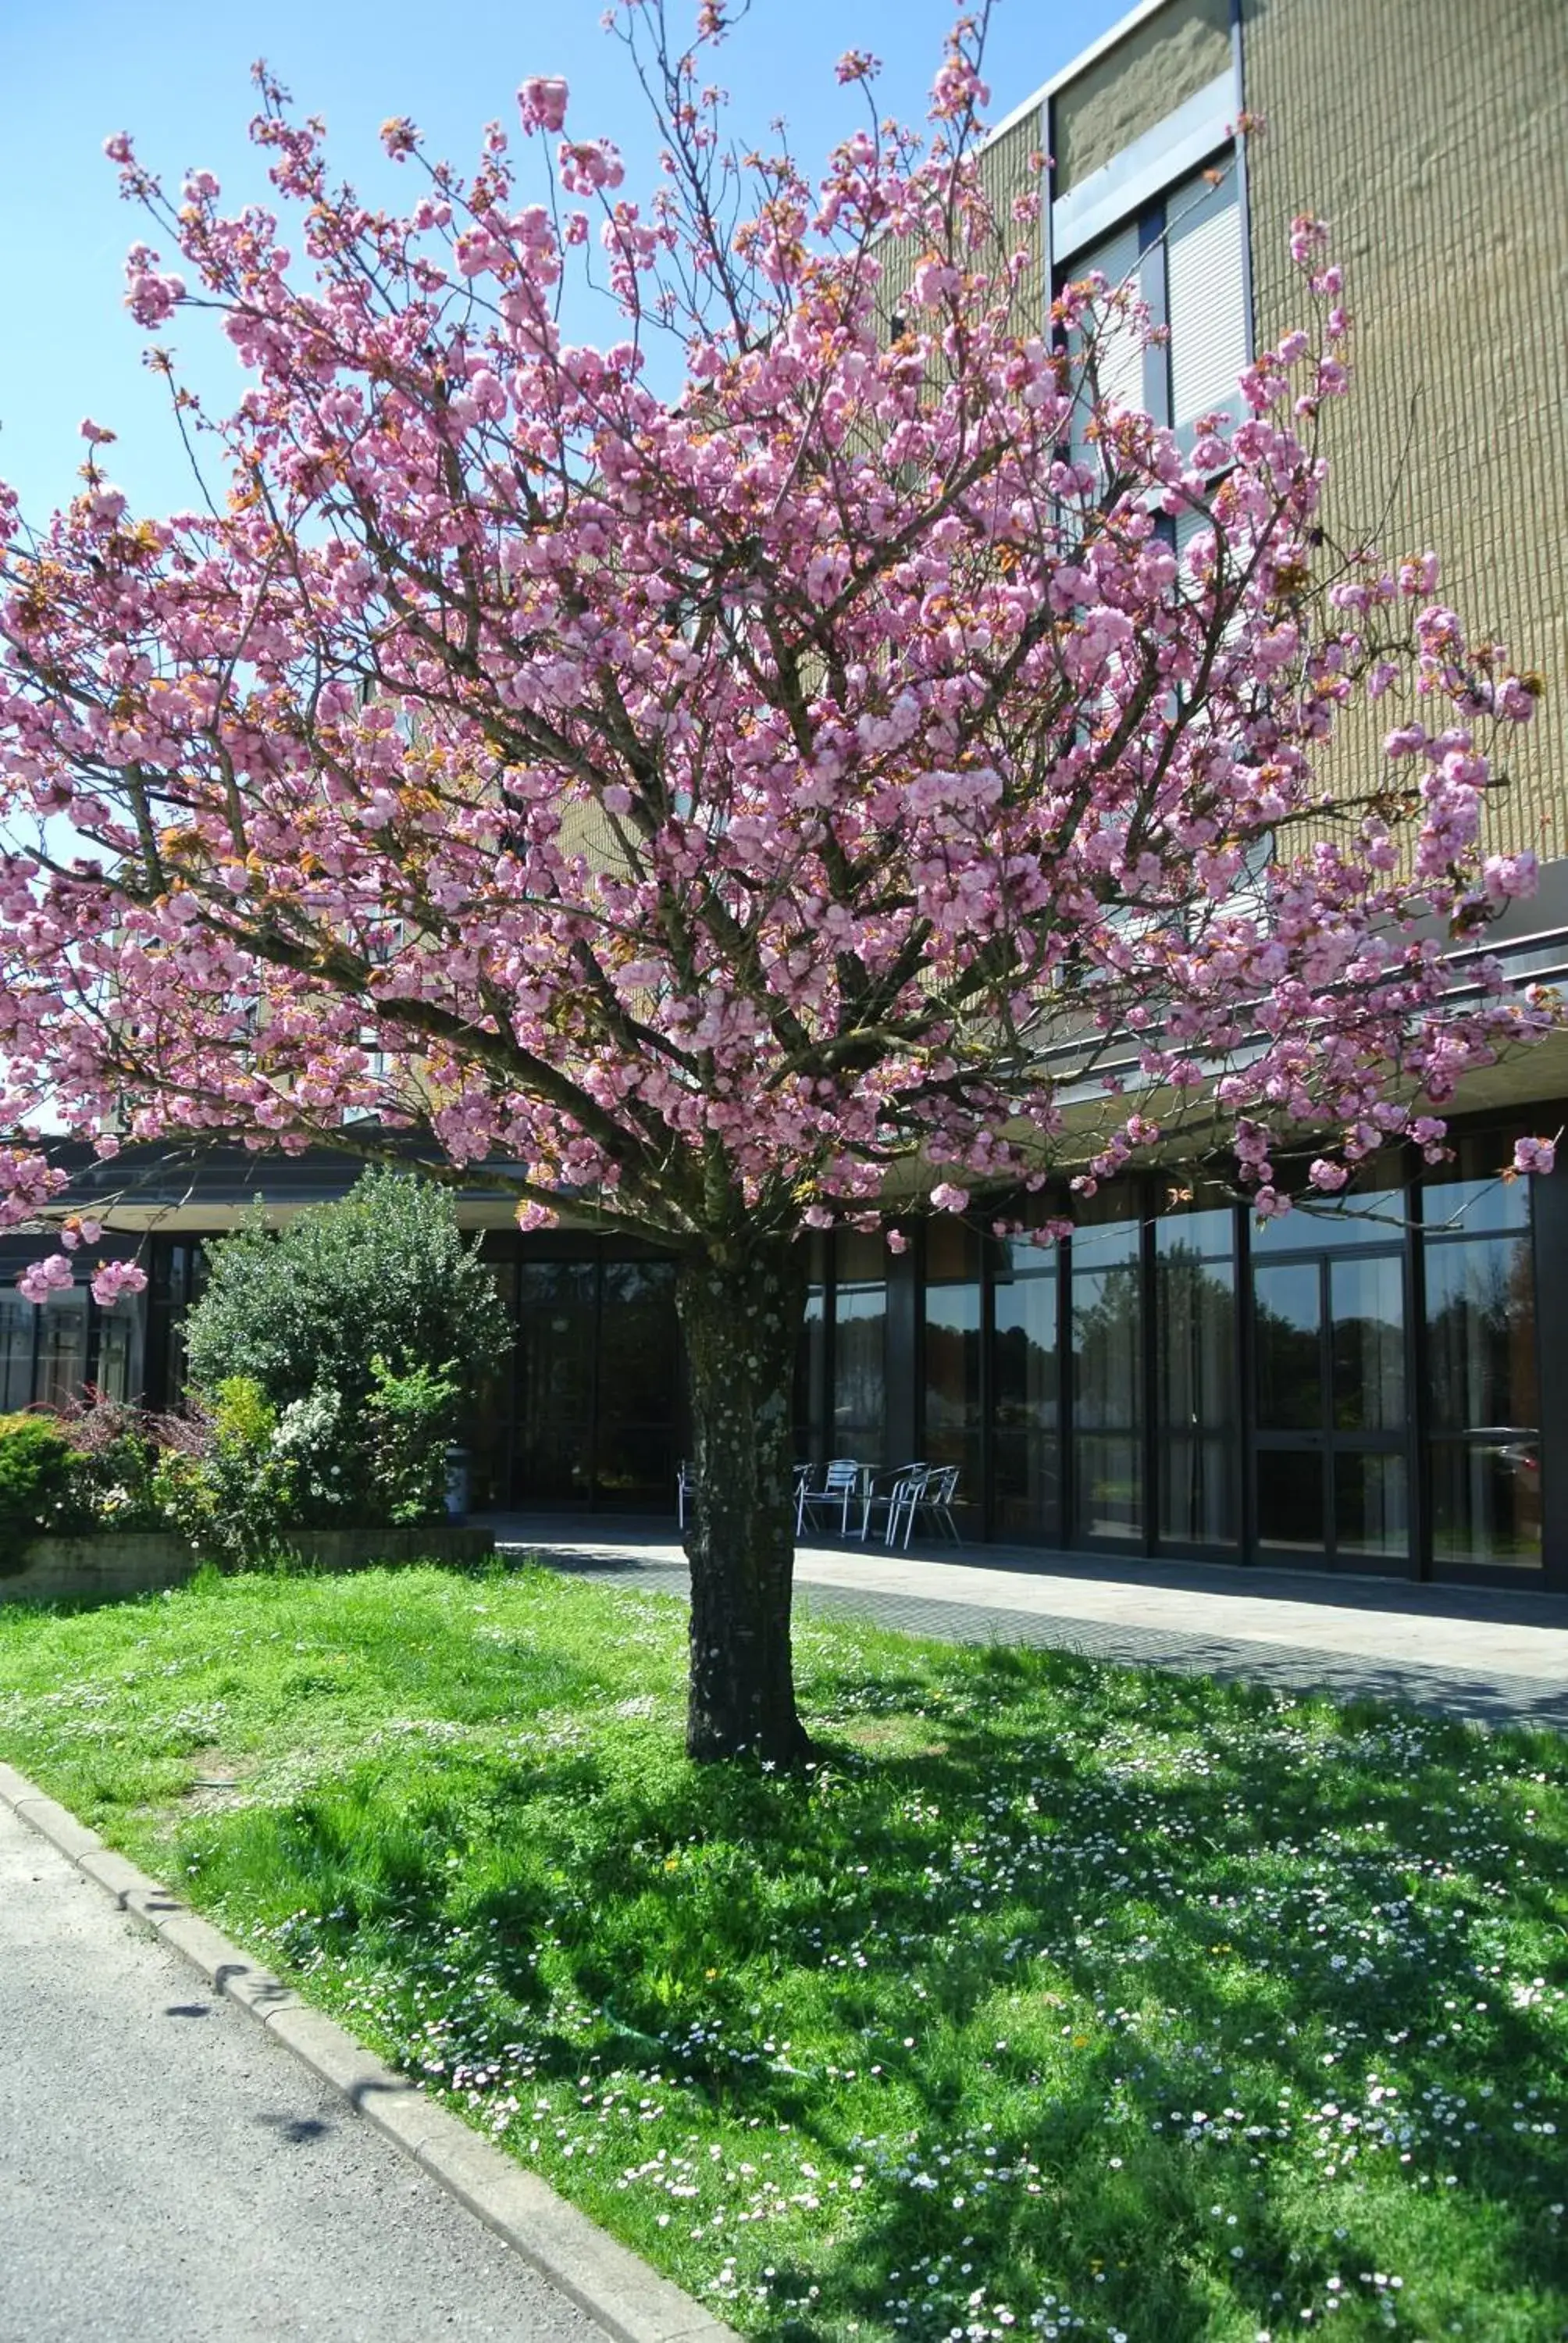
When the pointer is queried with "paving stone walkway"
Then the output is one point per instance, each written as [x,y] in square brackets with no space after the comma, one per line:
[1495,1656]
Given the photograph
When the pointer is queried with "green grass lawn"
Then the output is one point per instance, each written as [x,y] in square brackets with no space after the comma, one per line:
[1057,1999]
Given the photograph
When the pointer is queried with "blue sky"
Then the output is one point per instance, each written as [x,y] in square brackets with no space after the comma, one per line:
[174,73]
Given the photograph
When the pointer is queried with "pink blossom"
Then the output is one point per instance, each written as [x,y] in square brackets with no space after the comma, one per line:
[589,166]
[947,1198]
[40,1279]
[113,1278]
[542,102]
[1534,1154]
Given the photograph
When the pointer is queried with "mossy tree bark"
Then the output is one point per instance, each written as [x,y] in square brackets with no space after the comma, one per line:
[741,1315]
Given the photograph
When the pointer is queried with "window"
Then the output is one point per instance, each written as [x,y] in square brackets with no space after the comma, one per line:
[1184,255]
[952,1418]
[1107,1321]
[1025,1390]
[1120,376]
[1195,1316]
[1484,1413]
[859,1348]
[18,1334]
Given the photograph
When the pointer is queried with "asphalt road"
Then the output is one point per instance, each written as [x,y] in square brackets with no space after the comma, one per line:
[165,2170]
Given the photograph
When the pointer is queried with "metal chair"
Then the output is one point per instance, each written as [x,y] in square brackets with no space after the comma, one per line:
[932,1491]
[840,1487]
[881,1489]
[686,1489]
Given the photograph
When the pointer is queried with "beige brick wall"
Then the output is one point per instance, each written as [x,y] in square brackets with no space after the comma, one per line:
[1006,173]
[1167,58]
[1433,136]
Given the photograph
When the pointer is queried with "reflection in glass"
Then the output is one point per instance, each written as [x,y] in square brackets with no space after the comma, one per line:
[1486,1501]
[1197,1491]
[1480,1334]
[178,1269]
[1287,1323]
[554,1353]
[1372,1505]
[114,1375]
[1106,1349]
[62,1371]
[1107,1373]
[1291,1499]
[1368,1303]
[860,1371]
[1110,1487]
[1025,1383]
[952,1392]
[18,1325]
[1481,1346]
[811,1374]
[634,1425]
[1211,1235]
[1197,1306]
[1467,1195]
[1372,1213]
[1195,1300]
[597,1357]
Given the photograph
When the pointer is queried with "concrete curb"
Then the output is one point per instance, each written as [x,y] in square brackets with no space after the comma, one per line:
[613,2286]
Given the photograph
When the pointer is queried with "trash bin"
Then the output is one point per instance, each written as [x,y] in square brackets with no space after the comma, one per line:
[457,1483]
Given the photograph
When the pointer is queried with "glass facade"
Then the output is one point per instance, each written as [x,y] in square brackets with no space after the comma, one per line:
[1106,1269]
[859,1348]
[953,1409]
[1026,1390]
[1351,1386]
[1363,1383]
[1332,1409]
[1196,1410]
[595,1414]
[18,1328]
[66,1347]
[1484,1412]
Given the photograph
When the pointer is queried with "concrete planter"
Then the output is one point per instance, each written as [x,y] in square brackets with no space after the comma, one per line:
[362,1549]
[104,1568]
[115,1563]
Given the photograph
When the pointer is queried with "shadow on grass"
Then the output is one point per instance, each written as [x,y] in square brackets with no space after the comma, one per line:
[1168,2001]
[1052,1958]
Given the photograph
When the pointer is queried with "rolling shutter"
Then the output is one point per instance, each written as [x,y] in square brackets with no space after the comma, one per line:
[1206,296]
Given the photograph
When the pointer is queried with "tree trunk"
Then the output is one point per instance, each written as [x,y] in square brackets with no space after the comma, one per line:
[741,1319]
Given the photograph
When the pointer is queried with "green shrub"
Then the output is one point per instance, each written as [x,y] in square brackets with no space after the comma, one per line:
[36,1484]
[332,1358]
[410,1419]
[323,1449]
[384,1272]
[114,1449]
[244,1495]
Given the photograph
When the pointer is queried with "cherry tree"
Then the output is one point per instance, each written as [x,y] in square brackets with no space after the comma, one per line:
[711,776]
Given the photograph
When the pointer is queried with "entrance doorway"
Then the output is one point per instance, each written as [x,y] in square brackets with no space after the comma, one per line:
[1331,1448]
[598,1384]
